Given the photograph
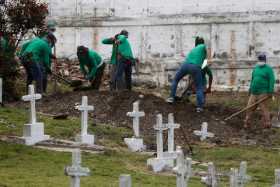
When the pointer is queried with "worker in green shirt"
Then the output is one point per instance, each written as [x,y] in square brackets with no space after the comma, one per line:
[261,86]
[122,58]
[192,66]
[91,65]
[206,72]
[35,56]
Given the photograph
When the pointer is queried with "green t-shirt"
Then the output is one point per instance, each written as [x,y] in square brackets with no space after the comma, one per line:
[263,80]
[197,55]
[40,50]
[89,63]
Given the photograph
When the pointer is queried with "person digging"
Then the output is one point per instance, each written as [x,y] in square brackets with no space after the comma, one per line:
[91,65]
[261,87]
[192,66]
[206,72]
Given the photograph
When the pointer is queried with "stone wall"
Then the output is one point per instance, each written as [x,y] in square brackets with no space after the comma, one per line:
[162,30]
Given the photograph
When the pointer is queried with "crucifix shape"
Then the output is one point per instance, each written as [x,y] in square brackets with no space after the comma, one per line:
[171,125]
[159,128]
[210,179]
[277,178]
[136,114]
[76,171]
[239,178]
[84,108]
[183,168]
[32,97]
[203,133]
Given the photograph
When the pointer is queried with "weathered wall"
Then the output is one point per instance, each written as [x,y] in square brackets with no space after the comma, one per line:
[162,30]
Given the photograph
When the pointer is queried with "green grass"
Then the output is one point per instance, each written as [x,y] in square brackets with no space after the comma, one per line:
[22,166]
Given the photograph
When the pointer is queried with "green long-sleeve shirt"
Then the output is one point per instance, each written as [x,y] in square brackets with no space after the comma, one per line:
[263,80]
[40,50]
[89,63]
[110,41]
[123,48]
[197,55]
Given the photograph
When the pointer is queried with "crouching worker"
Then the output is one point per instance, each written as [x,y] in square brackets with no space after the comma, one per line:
[34,56]
[91,65]
[261,87]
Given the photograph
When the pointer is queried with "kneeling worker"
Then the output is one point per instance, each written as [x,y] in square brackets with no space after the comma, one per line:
[91,65]
[261,87]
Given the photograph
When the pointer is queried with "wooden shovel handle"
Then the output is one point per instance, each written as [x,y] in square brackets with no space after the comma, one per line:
[247,108]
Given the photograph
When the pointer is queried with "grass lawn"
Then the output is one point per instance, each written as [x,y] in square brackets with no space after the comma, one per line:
[26,166]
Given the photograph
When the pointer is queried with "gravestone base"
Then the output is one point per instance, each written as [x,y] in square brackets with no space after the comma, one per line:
[34,133]
[135,144]
[160,164]
[85,139]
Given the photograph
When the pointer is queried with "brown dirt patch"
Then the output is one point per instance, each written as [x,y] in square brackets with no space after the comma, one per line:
[111,108]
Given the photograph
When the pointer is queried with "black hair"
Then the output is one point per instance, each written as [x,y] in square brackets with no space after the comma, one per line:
[81,50]
[199,40]
[124,32]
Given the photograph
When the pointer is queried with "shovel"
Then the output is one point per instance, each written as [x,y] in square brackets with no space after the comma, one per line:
[247,108]
[72,83]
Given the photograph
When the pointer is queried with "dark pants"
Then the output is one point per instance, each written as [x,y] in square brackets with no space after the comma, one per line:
[44,78]
[33,73]
[96,82]
[196,73]
[123,67]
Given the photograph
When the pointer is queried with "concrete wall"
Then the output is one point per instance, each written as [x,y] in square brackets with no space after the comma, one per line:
[162,30]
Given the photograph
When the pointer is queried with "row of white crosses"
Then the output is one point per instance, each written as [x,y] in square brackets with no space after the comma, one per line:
[33,132]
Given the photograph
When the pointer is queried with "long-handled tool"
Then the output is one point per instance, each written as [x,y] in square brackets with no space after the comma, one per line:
[247,108]
[72,83]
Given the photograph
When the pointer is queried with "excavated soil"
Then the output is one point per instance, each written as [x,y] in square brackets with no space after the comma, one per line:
[111,108]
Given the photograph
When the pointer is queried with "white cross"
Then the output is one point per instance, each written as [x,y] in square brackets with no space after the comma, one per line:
[211,179]
[277,178]
[84,108]
[32,97]
[171,125]
[183,168]
[239,178]
[203,133]
[1,90]
[125,181]
[136,114]
[76,171]
[159,128]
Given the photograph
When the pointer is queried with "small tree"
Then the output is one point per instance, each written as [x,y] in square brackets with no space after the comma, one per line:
[17,18]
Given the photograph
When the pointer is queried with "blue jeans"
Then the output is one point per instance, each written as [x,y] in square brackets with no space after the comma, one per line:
[196,73]
[34,73]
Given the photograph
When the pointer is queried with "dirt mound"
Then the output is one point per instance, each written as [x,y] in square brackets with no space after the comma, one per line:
[111,108]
